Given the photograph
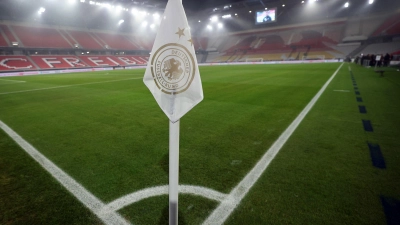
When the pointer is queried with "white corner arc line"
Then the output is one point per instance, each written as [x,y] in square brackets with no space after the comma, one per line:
[224,210]
[66,86]
[162,190]
[83,195]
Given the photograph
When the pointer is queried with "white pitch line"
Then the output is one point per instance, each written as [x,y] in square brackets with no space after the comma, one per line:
[341,90]
[83,195]
[225,209]
[66,86]
[14,81]
[163,190]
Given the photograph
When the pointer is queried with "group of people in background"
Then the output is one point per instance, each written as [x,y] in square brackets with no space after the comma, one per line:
[374,60]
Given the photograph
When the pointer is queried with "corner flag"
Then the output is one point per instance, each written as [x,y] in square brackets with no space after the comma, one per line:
[172,76]
[172,73]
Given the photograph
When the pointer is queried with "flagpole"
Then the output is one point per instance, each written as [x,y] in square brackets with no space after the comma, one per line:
[173,171]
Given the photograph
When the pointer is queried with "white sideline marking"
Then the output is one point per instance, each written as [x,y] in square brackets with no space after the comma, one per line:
[65,86]
[163,190]
[222,212]
[349,68]
[83,195]
[14,81]
[342,90]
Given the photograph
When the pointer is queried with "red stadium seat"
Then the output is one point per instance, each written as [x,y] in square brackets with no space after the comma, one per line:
[40,37]
[128,60]
[84,39]
[100,61]
[117,41]
[8,33]
[15,63]
[58,62]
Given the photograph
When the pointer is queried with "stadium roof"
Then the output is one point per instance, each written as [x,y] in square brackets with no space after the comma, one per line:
[188,4]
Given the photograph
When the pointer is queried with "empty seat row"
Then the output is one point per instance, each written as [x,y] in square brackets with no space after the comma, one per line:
[67,62]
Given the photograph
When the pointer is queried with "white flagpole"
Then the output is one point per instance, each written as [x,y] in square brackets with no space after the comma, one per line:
[173,171]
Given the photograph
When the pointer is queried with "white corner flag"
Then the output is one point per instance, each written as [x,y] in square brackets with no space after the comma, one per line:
[172,73]
[173,77]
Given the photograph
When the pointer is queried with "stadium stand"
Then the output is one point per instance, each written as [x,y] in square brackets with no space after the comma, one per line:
[40,37]
[129,60]
[3,41]
[85,40]
[68,37]
[389,27]
[381,48]
[287,43]
[116,41]
[145,43]
[101,61]
[58,62]
[15,63]
[8,63]
[8,33]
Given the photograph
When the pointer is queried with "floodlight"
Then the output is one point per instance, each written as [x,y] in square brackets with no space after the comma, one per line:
[144,24]
[118,8]
[98,3]
[220,25]
[143,13]
[92,2]
[266,8]
[199,21]
[371,1]
[134,10]
[214,19]
[156,16]
[250,11]
[120,22]
[152,26]
[87,52]
[226,16]
[42,10]
[302,2]
[82,0]
[209,27]
[283,5]
[71,1]
[346,4]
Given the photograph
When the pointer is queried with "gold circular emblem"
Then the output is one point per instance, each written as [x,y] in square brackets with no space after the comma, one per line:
[173,68]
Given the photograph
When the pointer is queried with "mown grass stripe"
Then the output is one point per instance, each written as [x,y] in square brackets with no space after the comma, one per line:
[83,195]
[66,86]
[224,210]
[359,99]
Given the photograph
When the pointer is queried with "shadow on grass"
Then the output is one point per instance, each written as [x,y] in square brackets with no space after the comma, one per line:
[164,163]
[165,216]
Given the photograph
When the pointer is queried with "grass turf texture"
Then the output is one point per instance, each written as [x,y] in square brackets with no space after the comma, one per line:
[113,139]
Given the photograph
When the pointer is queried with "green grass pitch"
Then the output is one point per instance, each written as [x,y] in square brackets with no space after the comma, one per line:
[107,132]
